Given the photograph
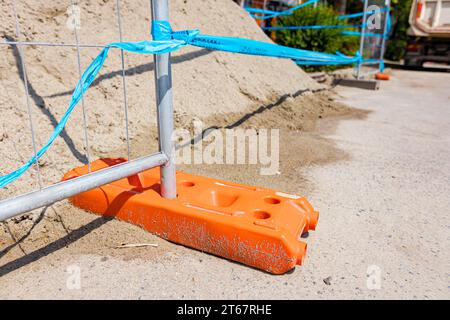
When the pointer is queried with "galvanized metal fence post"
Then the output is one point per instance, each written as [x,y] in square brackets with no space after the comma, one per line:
[385,30]
[361,42]
[163,84]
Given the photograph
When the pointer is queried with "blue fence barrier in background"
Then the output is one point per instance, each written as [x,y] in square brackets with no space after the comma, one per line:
[342,17]
[363,31]
[269,14]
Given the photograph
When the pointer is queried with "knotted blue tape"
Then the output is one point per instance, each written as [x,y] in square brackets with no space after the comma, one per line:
[165,41]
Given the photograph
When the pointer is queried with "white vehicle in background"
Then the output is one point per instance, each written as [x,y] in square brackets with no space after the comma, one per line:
[429,33]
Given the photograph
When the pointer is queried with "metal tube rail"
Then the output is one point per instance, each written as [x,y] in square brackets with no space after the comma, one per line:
[83,104]
[50,44]
[361,43]
[49,195]
[163,85]
[124,81]
[385,29]
[27,96]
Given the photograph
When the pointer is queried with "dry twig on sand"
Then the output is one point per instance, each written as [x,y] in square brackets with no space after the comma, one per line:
[135,245]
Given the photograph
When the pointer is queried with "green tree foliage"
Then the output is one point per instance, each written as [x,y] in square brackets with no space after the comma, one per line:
[320,40]
[397,43]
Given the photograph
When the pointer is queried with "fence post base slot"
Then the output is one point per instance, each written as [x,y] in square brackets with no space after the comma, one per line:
[255,226]
[355,83]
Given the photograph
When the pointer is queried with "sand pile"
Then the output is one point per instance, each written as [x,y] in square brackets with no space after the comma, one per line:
[205,83]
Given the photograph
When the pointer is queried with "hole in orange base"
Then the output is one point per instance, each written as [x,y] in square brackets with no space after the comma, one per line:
[258,214]
[271,200]
[187,184]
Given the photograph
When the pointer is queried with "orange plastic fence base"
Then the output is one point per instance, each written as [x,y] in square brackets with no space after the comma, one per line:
[255,226]
[382,76]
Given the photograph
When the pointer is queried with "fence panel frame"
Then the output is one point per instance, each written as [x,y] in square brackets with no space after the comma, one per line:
[165,158]
[359,75]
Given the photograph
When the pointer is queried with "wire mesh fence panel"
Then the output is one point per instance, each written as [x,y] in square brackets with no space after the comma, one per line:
[44,48]
[374,30]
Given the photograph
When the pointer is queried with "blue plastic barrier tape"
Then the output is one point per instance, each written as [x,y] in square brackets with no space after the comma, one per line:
[361,14]
[348,16]
[165,41]
[389,22]
[355,60]
[382,66]
[319,63]
[278,28]
[261,11]
[366,34]
[341,60]
[269,14]
[244,46]
[241,45]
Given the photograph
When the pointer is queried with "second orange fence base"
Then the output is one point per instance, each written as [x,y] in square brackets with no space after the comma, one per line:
[382,76]
[258,227]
